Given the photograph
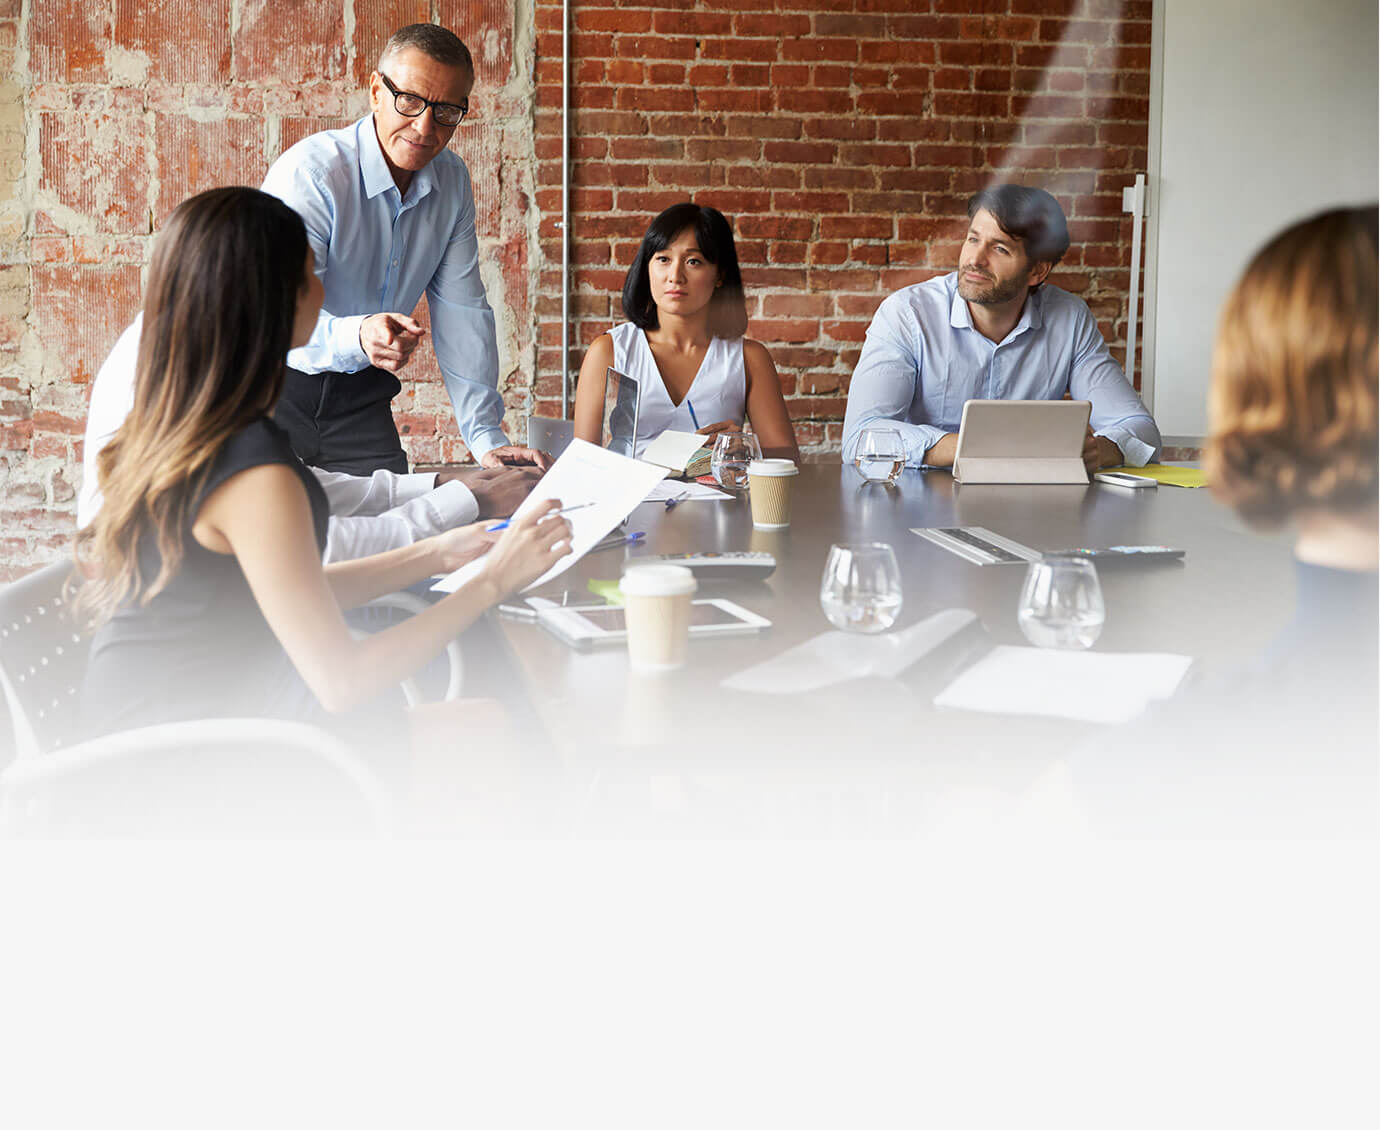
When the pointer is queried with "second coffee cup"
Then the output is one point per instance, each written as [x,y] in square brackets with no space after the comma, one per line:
[656,607]
[769,488]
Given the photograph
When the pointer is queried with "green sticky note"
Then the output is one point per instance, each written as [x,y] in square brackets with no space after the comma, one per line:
[607,590]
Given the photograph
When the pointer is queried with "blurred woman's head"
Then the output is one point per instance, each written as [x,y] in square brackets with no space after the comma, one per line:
[230,291]
[687,260]
[1293,396]
[220,307]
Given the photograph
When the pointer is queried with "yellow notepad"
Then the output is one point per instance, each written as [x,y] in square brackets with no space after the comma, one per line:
[1169,476]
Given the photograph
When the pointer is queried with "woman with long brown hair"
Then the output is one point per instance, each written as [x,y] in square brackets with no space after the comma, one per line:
[205,581]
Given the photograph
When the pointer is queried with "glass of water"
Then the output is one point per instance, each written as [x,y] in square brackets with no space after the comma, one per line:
[861,587]
[881,455]
[729,460]
[1061,603]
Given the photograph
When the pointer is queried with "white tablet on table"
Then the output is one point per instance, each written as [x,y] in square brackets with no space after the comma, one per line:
[592,625]
[1022,441]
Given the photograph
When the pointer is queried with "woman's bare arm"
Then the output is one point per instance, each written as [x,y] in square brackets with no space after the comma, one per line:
[263,517]
[766,407]
[589,391]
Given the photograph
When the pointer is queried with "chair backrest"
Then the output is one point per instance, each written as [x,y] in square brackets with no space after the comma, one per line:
[42,660]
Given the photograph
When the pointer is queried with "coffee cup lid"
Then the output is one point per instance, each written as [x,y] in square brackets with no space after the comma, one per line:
[771,467]
[658,580]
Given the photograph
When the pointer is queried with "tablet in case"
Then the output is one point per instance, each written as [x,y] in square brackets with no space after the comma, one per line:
[1022,441]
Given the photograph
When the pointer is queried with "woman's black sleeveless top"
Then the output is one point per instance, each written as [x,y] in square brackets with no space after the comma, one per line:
[201,647]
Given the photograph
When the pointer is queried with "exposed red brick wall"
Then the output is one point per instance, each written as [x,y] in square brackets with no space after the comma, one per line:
[842,138]
[112,112]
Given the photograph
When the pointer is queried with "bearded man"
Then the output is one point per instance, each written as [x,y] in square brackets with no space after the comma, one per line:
[994,330]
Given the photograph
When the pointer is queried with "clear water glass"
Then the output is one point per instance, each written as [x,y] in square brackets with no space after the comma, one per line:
[1061,603]
[881,455]
[729,460]
[861,587]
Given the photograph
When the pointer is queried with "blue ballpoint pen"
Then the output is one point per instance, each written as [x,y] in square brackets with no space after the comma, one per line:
[503,525]
[693,418]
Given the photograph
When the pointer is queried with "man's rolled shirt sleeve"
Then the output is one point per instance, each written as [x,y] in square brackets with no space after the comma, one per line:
[465,336]
[447,506]
[883,388]
[363,496]
[334,345]
[1117,412]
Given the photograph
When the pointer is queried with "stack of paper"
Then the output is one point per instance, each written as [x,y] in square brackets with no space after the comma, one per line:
[668,489]
[1089,686]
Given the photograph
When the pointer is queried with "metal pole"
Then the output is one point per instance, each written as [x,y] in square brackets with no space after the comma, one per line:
[565,209]
[1133,201]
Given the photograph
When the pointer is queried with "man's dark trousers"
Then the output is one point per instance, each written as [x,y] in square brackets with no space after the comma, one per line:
[342,421]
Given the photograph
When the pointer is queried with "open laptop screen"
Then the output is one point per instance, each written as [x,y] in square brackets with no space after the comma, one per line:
[622,404]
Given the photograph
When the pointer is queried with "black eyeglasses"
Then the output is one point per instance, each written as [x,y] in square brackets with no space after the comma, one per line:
[414,106]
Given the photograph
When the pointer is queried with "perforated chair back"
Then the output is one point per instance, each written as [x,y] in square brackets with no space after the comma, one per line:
[42,660]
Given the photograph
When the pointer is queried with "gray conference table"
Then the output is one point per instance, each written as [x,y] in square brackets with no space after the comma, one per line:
[1223,602]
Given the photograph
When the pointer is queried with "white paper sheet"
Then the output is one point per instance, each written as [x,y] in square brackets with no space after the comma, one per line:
[833,657]
[1089,686]
[584,473]
[687,492]
[673,449]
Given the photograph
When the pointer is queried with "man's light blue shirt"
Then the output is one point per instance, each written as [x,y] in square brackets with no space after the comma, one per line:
[923,359]
[377,251]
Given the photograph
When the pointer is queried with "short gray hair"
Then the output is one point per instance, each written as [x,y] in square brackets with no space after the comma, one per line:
[431,40]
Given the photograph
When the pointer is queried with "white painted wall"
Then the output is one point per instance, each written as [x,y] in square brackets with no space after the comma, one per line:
[1262,112]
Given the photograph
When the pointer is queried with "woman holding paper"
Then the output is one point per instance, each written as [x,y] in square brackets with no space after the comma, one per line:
[203,568]
[683,341]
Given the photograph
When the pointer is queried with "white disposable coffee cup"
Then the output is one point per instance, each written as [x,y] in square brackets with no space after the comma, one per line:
[769,489]
[656,607]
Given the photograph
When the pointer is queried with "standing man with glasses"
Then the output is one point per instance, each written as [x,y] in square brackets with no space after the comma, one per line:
[389,212]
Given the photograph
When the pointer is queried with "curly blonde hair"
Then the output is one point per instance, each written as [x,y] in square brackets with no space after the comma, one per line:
[1293,396]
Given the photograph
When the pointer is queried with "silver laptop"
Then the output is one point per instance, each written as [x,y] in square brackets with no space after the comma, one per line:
[1022,441]
[548,434]
[622,408]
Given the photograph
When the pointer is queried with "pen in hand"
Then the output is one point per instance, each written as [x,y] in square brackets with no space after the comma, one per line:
[503,525]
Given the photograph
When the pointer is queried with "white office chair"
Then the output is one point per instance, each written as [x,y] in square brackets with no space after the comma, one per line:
[42,663]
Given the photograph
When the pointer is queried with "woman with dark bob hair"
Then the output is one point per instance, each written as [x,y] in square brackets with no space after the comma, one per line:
[203,566]
[683,341]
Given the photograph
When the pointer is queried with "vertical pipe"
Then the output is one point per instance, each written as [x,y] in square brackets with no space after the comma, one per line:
[565,209]
[1136,201]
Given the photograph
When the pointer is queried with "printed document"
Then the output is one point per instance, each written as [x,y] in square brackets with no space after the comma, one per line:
[1090,686]
[605,485]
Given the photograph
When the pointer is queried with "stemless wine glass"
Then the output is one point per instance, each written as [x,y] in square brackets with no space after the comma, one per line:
[881,455]
[1061,603]
[861,587]
[732,453]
